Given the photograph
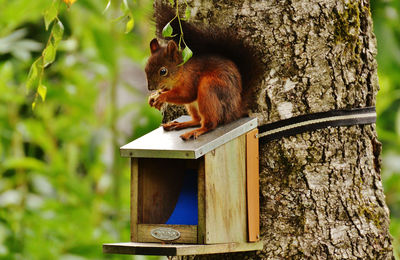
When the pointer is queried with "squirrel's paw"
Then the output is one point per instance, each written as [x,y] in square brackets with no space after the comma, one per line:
[153,97]
[159,101]
[170,126]
[158,104]
[156,99]
[191,134]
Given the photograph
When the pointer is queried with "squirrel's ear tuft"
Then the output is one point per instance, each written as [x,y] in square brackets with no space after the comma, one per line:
[172,49]
[154,46]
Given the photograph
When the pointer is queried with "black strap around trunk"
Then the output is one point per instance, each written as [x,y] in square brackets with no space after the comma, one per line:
[303,123]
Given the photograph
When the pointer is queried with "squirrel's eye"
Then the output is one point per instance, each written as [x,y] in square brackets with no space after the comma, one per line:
[163,71]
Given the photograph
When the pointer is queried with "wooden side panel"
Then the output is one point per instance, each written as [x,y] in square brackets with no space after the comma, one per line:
[188,233]
[134,198]
[225,192]
[201,227]
[253,204]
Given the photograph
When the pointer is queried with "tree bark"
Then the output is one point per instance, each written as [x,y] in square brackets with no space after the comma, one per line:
[320,191]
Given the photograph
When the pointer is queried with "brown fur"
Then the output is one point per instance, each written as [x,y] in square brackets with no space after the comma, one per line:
[220,77]
[212,81]
[209,40]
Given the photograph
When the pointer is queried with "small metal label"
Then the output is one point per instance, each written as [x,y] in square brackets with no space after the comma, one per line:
[165,234]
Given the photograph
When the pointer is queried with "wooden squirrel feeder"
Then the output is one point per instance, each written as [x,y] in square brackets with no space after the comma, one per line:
[193,197]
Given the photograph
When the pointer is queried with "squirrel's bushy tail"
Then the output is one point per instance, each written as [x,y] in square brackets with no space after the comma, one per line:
[210,39]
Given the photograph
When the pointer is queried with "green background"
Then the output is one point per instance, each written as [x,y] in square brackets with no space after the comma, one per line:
[63,185]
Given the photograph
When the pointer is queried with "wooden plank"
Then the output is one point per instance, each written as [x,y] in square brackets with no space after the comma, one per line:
[134,198]
[167,144]
[225,193]
[178,250]
[188,233]
[201,227]
[253,204]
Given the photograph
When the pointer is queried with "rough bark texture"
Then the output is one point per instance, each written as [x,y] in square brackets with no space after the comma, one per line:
[321,192]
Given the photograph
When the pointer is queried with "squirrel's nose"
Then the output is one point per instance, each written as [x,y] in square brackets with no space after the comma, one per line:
[150,86]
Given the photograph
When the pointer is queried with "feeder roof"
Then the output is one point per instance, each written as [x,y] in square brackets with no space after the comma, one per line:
[167,144]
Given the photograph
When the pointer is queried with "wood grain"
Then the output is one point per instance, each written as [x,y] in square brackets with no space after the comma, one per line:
[134,198]
[177,250]
[252,173]
[201,228]
[188,233]
[225,193]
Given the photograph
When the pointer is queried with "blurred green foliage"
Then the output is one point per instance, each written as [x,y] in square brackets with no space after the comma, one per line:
[386,16]
[63,185]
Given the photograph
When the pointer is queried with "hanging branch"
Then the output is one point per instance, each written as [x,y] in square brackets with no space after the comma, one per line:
[36,72]
[167,31]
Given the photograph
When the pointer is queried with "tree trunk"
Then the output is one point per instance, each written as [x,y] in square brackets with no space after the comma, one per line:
[320,191]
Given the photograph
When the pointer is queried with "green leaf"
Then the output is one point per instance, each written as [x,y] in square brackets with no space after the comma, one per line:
[57,31]
[129,25]
[27,163]
[186,54]
[49,55]
[107,6]
[50,14]
[33,75]
[42,91]
[172,2]
[167,30]
[187,13]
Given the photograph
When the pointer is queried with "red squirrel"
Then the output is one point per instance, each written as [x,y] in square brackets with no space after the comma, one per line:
[209,84]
